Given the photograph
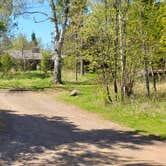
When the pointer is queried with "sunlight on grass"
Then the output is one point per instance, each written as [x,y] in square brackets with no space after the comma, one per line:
[28,80]
[142,114]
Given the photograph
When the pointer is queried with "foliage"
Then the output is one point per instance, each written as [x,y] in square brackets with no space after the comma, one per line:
[20,42]
[98,38]
[139,113]
[162,23]
[7,15]
[6,63]
[46,61]
[144,115]
[34,40]
[121,39]
[69,62]
[30,80]
[2,27]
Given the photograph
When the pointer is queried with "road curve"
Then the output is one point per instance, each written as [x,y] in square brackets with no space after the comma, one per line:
[40,131]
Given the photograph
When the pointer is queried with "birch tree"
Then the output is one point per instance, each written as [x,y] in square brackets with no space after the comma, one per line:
[59,32]
[57,12]
[73,41]
[99,50]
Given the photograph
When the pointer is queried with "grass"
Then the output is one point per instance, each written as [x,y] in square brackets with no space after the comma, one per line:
[148,116]
[27,80]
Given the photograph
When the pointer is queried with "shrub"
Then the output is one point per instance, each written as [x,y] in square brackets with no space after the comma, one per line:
[6,63]
[46,61]
[69,62]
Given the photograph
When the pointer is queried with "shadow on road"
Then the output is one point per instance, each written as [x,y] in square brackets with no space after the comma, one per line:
[27,136]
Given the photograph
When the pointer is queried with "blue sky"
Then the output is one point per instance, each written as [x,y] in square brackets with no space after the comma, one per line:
[43,30]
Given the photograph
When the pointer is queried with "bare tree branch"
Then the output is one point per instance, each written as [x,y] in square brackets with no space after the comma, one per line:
[35,12]
[40,21]
[55,20]
[64,25]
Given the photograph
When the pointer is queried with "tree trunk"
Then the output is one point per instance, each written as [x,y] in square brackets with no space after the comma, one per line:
[146,73]
[145,57]
[116,49]
[60,29]
[57,68]
[81,66]
[105,76]
[109,100]
[124,58]
[23,59]
[76,73]
[154,79]
[122,24]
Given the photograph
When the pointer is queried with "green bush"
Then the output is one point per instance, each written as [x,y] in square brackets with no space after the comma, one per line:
[6,63]
[46,61]
[18,65]
[69,62]
[2,26]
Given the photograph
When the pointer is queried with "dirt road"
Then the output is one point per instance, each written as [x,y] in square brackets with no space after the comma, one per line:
[43,132]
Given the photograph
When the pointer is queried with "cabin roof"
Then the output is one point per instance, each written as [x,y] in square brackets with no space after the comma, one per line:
[26,54]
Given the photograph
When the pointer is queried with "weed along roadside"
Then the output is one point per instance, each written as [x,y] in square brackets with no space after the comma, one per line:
[142,114]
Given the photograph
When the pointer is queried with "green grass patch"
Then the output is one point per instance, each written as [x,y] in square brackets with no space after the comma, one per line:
[31,80]
[148,116]
[145,115]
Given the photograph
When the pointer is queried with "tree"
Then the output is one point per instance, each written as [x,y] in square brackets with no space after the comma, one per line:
[133,33]
[161,20]
[7,14]
[33,39]
[45,61]
[2,27]
[60,29]
[6,63]
[116,47]
[123,7]
[78,15]
[98,41]
[59,17]
[146,13]
[73,44]
[21,43]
